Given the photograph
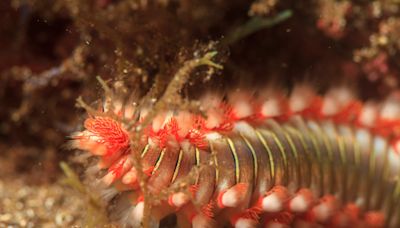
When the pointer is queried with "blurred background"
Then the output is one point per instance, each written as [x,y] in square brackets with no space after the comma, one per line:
[52,50]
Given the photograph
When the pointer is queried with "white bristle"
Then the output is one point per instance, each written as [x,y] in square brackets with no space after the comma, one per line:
[322,212]
[108,193]
[272,203]
[230,198]
[108,179]
[214,118]
[179,199]
[130,177]
[390,110]
[168,117]
[243,109]
[144,112]
[363,138]
[368,115]
[244,128]
[185,120]
[137,214]
[300,98]
[342,94]
[117,106]
[210,101]
[271,108]
[213,136]
[298,104]
[329,106]
[245,223]
[299,204]
[380,145]
[129,111]
[185,145]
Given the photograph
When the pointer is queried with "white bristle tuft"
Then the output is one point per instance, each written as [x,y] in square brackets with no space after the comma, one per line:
[108,193]
[271,108]
[210,101]
[329,107]
[244,128]
[300,98]
[214,118]
[137,214]
[322,212]
[213,136]
[390,110]
[130,177]
[272,203]
[245,223]
[185,145]
[363,138]
[380,146]
[108,179]
[243,109]
[336,99]
[129,111]
[179,199]
[368,115]
[230,198]
[298,204]
[117,106]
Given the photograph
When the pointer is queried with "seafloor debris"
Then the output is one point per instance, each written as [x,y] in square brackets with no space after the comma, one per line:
[49,205]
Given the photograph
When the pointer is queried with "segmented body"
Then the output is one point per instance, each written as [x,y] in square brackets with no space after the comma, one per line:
[298,161]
